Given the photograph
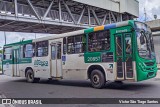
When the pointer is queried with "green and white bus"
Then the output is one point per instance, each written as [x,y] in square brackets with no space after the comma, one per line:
[117,52]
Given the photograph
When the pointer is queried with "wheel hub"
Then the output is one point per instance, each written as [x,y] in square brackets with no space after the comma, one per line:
[95,79]
[30,76]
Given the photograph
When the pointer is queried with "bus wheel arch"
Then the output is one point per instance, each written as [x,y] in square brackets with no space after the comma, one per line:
[27,70]
[97,76]
[93,67]
[29,74]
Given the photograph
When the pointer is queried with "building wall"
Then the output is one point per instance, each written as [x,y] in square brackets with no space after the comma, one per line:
[104,4]
[156,40]
[129,6]
[120,6]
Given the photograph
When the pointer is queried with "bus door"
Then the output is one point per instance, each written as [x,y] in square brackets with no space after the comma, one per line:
[16,62]
[123,57]
[56,62]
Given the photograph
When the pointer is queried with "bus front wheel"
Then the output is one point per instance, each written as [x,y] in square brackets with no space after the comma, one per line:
[30,76]
[97,79]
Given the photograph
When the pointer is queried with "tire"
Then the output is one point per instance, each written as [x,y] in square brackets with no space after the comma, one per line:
[30,76]
[97,79]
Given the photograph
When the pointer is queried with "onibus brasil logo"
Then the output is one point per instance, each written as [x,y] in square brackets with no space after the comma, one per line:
[40,63]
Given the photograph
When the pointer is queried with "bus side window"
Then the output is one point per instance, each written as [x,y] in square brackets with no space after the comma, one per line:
[42,49]
[28,50]
[21,51]
[64,46]
[7,53]
[70,45]
[75,44]
[99,41]
[84,41]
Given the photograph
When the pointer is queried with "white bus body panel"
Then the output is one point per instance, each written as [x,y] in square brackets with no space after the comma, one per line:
[8,69]
[41,67]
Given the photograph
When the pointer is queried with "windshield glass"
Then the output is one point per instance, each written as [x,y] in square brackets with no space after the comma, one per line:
[145,41]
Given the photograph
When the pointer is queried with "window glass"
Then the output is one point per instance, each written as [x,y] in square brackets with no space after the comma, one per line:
[64,46]
[145,45]
[42,48]
[76,44]
[7,53]
[21,51]
[71,45]
[118,46]
[128,44]
[59,51]
[53,54]
[28,50]
[99,41]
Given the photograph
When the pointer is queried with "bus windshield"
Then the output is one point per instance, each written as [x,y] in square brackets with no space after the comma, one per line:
[145,41]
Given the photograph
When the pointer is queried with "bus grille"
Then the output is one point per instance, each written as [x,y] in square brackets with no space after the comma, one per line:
[150,74]
[149,63]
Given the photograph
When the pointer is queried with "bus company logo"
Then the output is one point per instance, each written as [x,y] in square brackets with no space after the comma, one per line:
[41,63]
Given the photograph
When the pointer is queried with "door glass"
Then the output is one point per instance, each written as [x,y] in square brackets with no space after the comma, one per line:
[129,66]
[119,50]
[119,46]
[128,45]
[53,53]
[14,57]
[59,51]
[17,57]
[119,68]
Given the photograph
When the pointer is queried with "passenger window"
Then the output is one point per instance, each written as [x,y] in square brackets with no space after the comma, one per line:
[99,41]
[75,44]
[7,53]
[64,46]
[42,48]
[29,50]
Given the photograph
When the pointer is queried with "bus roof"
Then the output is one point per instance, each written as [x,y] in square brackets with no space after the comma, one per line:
[89,30]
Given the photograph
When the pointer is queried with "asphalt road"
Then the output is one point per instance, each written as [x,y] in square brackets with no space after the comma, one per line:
[18,88]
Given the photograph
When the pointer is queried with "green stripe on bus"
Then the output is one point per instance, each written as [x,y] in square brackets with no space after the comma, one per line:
[25,60]
[20,61]
[18,43]
[90,30]
[7,62]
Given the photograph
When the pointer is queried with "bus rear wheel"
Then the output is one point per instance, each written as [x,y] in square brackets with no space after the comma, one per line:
[30,76]
[97,79]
